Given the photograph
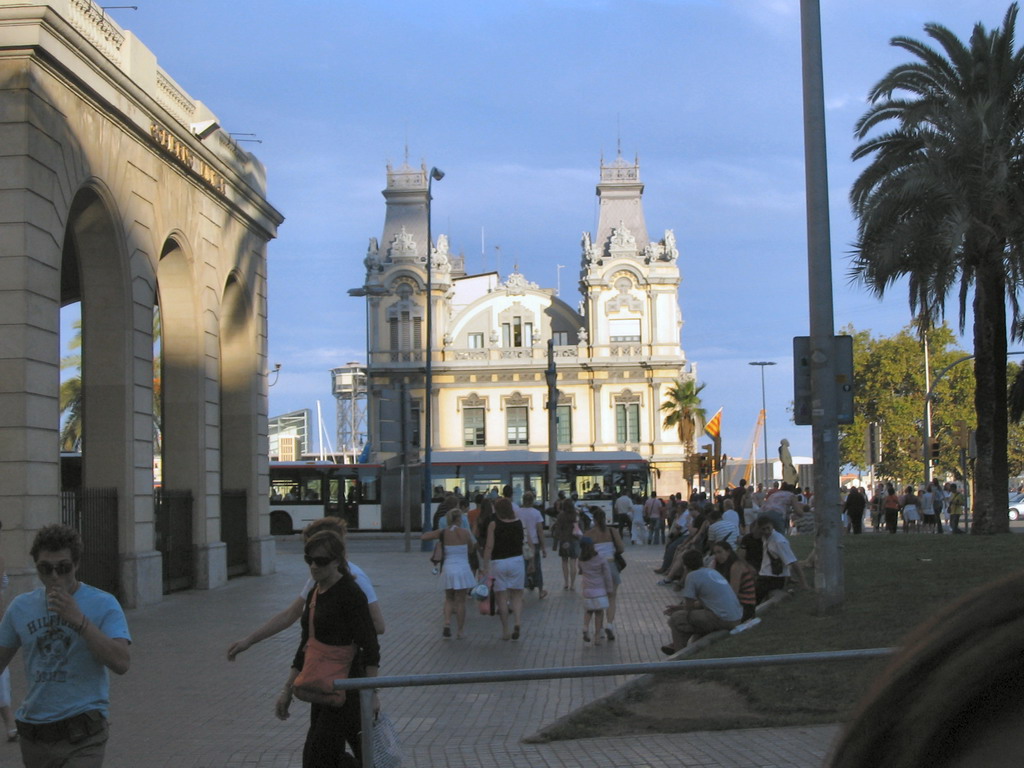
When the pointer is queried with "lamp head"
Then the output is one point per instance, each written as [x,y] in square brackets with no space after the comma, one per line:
[436,174]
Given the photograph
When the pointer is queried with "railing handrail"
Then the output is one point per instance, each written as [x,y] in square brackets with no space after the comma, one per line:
[365,685]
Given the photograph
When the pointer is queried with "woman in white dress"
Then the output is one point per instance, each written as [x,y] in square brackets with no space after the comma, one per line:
[456,574]
[638,526]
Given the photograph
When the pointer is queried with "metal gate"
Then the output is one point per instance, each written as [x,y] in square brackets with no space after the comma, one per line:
[93,513]
[174,537]
[233,530]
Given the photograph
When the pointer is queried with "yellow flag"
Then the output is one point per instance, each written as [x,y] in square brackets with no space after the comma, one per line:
[713,428]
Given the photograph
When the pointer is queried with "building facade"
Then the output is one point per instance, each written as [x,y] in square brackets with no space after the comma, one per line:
[121,192]
[615,354]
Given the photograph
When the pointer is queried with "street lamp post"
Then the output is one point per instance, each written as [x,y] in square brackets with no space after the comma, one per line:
[428,373]
[764,417]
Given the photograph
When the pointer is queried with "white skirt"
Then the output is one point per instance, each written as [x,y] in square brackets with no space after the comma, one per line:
[457,573]
[595,603]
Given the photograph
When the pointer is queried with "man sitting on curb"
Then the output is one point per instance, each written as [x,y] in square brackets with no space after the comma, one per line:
[778,562]
[709,604]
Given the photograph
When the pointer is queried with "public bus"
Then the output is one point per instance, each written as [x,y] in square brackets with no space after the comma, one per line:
[597,477]
[304,491]
[369,498]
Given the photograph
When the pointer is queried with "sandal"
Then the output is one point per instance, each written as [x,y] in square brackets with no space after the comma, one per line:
[586,636]
[515,633]
[447,632]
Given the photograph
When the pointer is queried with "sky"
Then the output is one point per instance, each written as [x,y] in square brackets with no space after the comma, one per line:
[518,101]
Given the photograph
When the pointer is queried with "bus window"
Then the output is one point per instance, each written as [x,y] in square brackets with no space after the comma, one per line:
[367,487]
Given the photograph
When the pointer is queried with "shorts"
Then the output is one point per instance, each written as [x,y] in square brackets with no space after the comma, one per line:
[508,573]
[929,519]
[595,603]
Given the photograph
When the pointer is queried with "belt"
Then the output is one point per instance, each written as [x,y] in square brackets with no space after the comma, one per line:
[72,729]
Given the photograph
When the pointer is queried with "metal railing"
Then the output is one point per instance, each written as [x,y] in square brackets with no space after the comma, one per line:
[365,685]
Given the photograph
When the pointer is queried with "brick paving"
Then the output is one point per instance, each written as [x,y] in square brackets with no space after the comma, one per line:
[184,705]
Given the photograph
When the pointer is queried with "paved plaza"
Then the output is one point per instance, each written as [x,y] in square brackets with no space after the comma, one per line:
[183,705]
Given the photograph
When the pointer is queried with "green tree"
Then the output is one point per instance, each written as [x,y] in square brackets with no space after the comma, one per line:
[1015,441]
[889,384]
[70,396]
[940,203]
[683,410]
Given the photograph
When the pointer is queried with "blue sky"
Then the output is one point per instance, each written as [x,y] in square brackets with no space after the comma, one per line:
[517,101]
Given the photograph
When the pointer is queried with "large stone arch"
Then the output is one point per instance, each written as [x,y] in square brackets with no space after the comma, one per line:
[108,194]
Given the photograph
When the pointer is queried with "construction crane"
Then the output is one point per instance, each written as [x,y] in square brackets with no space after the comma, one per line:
[748,473]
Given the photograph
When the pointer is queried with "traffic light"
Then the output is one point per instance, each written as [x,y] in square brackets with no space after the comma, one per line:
[934,450]
[963,435]
[873,443]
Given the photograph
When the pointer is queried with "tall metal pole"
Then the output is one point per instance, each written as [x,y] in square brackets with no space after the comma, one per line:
[428,384]
[828,576]
[764,418]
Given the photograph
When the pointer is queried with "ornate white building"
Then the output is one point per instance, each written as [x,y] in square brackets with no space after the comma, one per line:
[616,355]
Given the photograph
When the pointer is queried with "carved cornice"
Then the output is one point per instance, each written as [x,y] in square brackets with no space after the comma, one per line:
[516,399]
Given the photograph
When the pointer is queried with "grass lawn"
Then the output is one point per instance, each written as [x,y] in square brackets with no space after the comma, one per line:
[893,583]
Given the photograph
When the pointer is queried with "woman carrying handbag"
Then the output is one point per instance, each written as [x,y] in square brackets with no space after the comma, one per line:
[336,625]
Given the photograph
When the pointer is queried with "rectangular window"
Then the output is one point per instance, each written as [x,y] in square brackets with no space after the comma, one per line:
[627,423]
[528,334]
[403,332]
[473,426]
[506,335]
[561,338]
[417,333]
[564,415]
[415,419]
[517,331]
[517,426]
[393,331]
[476,341]
[624,329]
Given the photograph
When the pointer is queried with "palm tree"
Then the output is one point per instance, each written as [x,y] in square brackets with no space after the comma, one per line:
[941,204]
[70,397]
[683,410]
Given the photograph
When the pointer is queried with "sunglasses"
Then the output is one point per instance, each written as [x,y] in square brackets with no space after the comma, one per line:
[63,568]
[319,562]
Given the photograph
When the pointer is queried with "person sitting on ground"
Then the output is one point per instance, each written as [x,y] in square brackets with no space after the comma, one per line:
[777,561]
[730,513]
[721,529]
[696,540]
[677,535]
[739,574]
[709,604]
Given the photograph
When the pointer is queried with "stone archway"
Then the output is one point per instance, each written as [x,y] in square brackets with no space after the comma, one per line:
[107,185]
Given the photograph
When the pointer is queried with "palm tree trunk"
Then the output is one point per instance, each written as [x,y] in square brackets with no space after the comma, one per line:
[990,515]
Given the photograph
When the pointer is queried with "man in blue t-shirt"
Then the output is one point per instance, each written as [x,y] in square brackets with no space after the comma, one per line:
[70,635]
[709,604]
